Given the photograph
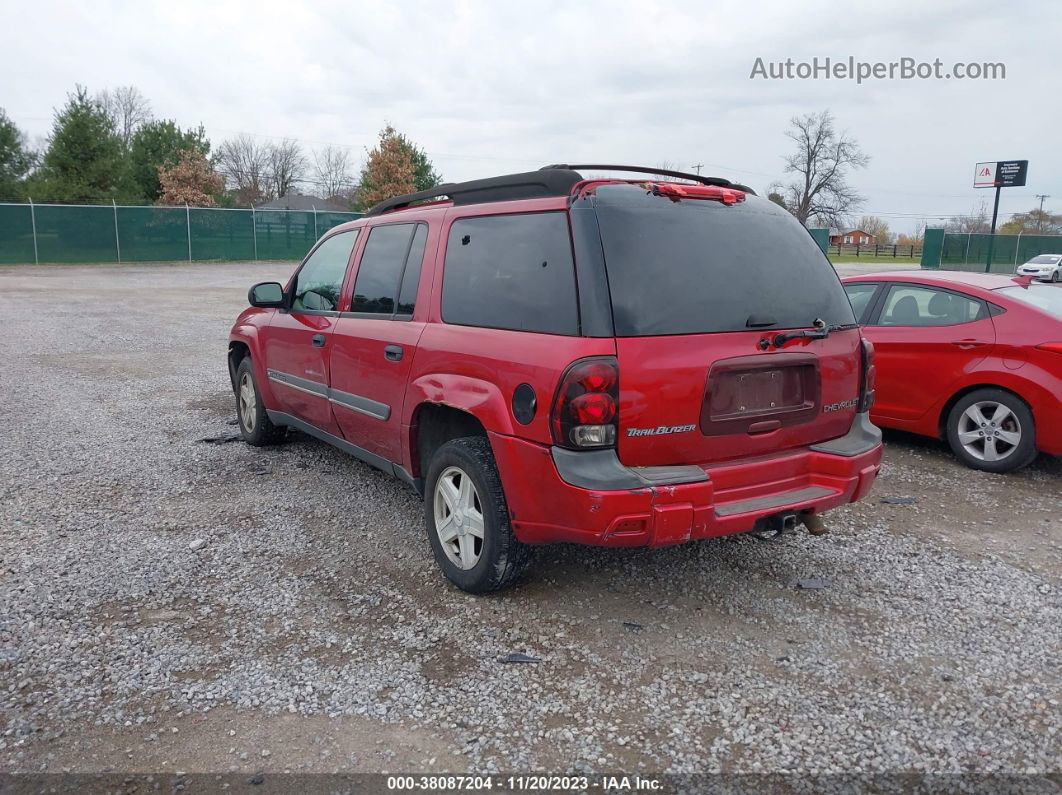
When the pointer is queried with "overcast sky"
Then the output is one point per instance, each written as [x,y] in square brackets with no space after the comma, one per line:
[494,87]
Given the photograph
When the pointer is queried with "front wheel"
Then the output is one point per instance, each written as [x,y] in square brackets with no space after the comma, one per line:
[468,520]
[992,430]
[1055,276]
[255,425]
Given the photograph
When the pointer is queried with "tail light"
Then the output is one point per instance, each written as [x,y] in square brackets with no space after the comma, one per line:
[1054,347]
[868,374]
[586,408]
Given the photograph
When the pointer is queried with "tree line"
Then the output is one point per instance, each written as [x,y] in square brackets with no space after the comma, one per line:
[110,147]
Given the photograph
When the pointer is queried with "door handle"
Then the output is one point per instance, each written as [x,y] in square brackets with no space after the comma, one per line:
[968,343]
[393,353]
[318,340]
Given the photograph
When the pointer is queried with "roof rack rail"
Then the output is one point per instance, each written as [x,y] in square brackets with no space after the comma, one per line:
[557,180]
[528,185]
[718,181]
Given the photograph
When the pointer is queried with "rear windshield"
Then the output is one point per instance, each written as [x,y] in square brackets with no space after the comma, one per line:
[1041,296]
[697,266]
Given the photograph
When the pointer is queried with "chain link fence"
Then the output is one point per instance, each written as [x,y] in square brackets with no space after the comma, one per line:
[46,233]
[969,252]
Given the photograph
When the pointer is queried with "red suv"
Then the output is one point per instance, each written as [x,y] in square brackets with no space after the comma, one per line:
[551,358]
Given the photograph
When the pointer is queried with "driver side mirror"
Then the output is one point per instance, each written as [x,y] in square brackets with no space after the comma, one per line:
[266,295]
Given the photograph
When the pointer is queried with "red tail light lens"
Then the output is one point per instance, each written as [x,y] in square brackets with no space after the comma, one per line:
[597,376]
[868,375]
[586,409]
[593,408]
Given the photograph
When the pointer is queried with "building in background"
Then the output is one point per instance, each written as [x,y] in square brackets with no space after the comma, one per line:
[851,237]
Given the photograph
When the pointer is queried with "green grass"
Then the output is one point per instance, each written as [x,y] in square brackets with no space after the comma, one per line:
[870,259]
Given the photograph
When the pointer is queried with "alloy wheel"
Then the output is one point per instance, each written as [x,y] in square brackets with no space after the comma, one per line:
[989,431]
[459,517]
[247,402]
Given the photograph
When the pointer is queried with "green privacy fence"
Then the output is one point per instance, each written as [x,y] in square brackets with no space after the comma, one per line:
[969,252]
[38,233]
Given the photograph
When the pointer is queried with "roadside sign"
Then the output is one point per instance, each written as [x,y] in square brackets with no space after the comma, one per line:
[1001,174]
[1011,173]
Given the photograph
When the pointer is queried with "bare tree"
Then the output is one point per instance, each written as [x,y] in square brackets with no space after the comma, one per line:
[977,222]
[287,165]
[878,227]
[669,165]
[127,108]
[915,239]
[332,166]
[245,165]
[821,163]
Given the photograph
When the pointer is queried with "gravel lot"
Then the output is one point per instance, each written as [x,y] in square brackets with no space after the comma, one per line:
[311,631]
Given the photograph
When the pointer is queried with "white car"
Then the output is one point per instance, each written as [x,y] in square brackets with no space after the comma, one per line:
[1043,266]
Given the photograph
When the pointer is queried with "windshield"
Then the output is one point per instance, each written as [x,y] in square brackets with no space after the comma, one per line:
[1042,296]
[1044,259]
[698,266]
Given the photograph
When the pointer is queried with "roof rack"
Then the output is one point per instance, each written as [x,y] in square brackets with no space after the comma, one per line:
[661,172]
[556,180]
[529,185]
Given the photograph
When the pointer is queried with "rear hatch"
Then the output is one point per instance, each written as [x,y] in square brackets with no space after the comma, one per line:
[699,288]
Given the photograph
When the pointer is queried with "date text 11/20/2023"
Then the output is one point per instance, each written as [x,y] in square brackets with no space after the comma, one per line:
[532,783]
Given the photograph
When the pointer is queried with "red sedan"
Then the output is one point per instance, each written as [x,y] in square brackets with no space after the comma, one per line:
[974,358]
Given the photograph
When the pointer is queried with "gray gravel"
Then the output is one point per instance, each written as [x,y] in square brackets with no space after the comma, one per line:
[147,578]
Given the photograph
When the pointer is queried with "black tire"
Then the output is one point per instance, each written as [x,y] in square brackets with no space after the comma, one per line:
[262,431]
[502,558]
[1055,276]
[1020,419]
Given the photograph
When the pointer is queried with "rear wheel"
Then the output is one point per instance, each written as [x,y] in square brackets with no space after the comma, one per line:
[992,430]
[468,520]
[255,426]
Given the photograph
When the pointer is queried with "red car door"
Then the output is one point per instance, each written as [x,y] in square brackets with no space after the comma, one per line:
[296,339]
[373,344]
[924,339]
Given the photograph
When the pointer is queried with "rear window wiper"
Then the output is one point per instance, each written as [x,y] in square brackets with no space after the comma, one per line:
[819,330]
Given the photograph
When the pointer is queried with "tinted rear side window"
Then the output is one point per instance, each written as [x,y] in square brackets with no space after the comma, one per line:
[696,266]
[511,272]
[407,295]
[376,286]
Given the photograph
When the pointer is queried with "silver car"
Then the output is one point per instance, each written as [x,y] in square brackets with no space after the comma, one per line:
[1047,267]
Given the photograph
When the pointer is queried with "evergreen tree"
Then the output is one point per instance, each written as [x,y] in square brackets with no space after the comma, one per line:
[159,144]
[84,162]
[424,175]
[15,160]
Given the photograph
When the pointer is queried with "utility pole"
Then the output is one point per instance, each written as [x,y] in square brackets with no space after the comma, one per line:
[992,232]
[698,168]
[1040,219]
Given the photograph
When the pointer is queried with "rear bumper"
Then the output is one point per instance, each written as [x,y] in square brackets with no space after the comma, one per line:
[591,498]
